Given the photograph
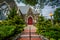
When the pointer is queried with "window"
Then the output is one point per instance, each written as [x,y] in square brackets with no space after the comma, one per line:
[4,6]
[4,11]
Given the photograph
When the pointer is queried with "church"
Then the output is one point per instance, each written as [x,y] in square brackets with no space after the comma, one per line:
[29,14]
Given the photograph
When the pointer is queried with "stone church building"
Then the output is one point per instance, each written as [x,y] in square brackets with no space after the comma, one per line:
[30,15]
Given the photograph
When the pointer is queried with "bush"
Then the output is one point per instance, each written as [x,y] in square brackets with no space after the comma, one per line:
[13,24]
[57,15]
[19,28]
[45,28]
[6,31]
[18,23]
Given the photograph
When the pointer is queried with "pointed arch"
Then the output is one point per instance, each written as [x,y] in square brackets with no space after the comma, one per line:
[30,20]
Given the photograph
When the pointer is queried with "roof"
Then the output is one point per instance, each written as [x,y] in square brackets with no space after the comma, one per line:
[11,3]
[25,9]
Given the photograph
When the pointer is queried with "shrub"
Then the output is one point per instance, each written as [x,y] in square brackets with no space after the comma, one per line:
[45,28]
[13,24]
[6,31]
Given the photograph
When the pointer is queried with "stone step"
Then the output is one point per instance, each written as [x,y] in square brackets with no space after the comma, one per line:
[29,33]
[25,33]
[29,30]
[23,36]
[29,39]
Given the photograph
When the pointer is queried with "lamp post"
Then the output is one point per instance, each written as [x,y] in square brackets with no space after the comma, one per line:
[51,18]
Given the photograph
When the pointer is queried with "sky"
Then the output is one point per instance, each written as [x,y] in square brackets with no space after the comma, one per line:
[45,11]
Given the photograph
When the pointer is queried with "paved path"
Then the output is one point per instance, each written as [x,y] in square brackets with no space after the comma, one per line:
[29,33]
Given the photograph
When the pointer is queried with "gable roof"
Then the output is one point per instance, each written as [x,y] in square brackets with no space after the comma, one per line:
[11,3]
[25,9]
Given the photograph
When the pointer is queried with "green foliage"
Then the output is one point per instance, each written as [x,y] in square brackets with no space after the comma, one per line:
[52,39]
[16,20]
[6,31]
[19,28]
[44,27]
[42,3]
[57,14]
[13,25]
[30,2]
[12,13]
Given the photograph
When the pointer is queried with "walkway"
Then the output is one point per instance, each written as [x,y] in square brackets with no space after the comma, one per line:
[29,33]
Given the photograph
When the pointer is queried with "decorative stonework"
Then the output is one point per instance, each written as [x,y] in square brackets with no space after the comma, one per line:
[30,13]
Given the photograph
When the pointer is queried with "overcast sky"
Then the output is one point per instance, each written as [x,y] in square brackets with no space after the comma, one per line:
[45,11]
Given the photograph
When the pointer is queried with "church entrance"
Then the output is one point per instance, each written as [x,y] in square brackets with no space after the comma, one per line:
[30,21]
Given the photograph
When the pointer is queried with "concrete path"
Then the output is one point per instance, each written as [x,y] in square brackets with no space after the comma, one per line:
[29,33]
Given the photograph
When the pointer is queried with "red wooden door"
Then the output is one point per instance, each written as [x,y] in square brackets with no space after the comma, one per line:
[30,21]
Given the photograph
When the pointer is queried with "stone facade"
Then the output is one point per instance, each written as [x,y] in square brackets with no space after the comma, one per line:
[31,16]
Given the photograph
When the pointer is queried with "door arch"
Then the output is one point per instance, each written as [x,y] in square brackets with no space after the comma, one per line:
[30,21]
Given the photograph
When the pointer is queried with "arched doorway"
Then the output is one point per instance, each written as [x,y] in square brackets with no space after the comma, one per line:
[30,21]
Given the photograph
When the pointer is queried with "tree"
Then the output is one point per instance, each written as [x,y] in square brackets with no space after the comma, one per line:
[16,20]
[12,13]
[13,25]
[57,14]
[30,2]
[44,27]
[42,3]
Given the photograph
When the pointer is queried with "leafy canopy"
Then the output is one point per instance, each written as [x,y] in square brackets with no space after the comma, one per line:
[57,14]
[30,2]
[42,3]
[44,27]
